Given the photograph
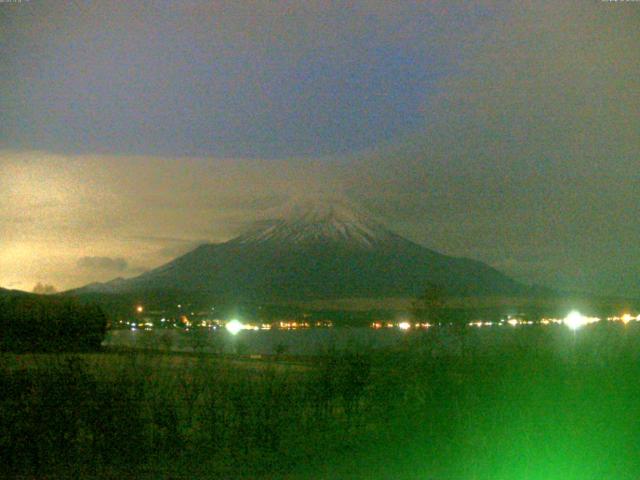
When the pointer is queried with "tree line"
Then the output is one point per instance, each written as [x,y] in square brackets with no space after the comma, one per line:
[33,323]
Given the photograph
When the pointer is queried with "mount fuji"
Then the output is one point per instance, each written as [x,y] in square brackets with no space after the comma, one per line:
[317,251]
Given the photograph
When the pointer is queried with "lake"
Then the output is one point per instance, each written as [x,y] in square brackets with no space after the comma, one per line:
[314,341]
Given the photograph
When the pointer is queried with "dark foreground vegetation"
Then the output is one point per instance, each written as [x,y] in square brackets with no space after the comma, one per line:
[36,323]
[546,404]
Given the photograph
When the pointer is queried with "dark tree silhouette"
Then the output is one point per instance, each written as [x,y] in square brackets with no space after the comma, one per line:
[429,306]
[43,324]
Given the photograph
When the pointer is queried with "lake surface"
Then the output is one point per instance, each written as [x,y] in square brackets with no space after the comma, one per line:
[313,341]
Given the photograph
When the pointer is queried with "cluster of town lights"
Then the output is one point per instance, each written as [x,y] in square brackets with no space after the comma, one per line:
[574,321]
[235,326]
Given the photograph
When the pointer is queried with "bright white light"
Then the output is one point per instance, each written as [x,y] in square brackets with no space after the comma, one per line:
[575,320]
[404,325]
[513,322]
[234,326]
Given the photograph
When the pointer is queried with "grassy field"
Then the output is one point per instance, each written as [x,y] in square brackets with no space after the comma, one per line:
[546,404]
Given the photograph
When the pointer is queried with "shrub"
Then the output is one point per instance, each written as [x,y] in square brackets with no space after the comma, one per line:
[31,323]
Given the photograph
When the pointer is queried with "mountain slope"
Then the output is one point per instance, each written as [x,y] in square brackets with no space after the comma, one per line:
[317,252]
[14,293]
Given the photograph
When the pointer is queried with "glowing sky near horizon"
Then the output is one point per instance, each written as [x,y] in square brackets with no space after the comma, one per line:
[132,131]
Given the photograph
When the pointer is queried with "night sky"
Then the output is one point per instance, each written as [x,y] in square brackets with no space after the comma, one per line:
[131,132]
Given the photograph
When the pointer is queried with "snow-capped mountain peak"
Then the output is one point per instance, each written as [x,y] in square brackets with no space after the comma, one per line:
[319,222]
[315,251]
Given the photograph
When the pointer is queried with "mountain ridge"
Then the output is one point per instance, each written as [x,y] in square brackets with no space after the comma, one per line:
[315,252]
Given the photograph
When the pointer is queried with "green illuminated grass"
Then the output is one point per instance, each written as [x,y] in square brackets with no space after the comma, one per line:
[539,404]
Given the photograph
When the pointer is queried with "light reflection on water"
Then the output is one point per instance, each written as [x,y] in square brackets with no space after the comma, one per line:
[438,341]
[294,342]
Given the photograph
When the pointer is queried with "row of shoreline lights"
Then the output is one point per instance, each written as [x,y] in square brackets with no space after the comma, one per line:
[234,326]
[574,320]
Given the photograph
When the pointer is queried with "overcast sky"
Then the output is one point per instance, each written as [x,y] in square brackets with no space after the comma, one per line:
[507,132]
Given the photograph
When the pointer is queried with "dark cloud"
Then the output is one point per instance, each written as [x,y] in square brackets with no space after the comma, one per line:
[531,154]
[110,264]
[254,202]
[224,78]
